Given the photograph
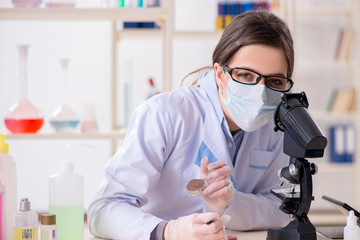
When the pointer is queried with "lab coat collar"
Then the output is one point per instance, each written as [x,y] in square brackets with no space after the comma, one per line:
[214,137]
[208,83]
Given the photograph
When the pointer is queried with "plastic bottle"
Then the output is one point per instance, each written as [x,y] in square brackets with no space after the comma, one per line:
[2,210]
[67,202]
[48,226]
[351,230]
[8,177]
[25,222]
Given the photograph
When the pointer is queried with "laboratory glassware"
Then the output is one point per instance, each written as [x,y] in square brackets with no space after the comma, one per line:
[64,119]
[89,123]
[23,116]
[60,3]
[26,3]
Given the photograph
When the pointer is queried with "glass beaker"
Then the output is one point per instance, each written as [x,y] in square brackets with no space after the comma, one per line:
[23,116]
[64,119]
[26,3]
[89,123]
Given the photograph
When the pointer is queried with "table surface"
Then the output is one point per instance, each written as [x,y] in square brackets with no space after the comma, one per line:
[253,235]
[317,218]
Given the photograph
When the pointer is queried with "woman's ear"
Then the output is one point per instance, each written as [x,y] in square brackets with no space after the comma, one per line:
[219,75]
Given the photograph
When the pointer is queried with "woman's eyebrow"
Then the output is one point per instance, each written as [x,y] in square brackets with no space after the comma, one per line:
[271,74]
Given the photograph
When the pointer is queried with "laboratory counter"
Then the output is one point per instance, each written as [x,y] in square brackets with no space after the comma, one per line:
[253,235]
[317,218]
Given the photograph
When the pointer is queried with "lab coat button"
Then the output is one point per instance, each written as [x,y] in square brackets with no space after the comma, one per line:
[229,145]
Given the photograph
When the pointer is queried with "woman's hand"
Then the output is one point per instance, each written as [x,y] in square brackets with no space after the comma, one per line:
[219,190]
[197,226]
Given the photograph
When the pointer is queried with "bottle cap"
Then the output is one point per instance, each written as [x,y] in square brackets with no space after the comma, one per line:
[4,147]
[48,219]
[351,219]
[24,205]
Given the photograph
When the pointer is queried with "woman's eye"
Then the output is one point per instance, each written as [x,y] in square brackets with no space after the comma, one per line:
[276,81]
[245,77]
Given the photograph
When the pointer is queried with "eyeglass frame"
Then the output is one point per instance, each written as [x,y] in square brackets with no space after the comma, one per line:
[230,70]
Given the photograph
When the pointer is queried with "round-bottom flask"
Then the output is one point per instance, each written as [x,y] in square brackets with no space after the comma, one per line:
[26,3]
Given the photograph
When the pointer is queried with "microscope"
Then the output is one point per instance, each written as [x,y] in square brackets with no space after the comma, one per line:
[302,139]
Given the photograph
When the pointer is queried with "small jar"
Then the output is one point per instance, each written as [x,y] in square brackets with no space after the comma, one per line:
[48,226]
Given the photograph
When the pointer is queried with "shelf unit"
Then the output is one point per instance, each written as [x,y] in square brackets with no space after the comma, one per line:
[350,11]
[161,15]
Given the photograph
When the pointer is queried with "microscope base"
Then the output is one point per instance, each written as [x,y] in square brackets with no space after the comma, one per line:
[295,230]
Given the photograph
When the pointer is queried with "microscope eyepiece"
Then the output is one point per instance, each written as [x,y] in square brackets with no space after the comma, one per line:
[303,137]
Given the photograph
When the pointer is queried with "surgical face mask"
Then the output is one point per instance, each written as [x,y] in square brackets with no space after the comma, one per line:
[250,106]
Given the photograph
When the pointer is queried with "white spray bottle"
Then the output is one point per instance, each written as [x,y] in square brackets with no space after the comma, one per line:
[66,200]
[351,230]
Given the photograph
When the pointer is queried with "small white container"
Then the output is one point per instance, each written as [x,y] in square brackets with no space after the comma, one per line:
[351,230]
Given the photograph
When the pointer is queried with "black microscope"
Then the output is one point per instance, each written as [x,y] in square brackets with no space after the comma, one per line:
[302,139]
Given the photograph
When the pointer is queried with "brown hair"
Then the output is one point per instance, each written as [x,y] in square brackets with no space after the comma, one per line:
[255,27]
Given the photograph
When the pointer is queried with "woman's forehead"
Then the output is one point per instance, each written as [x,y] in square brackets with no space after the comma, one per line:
[261,58]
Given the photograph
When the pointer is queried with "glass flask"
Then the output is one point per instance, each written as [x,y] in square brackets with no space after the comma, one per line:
[23,116]
[26,3]
[64,119]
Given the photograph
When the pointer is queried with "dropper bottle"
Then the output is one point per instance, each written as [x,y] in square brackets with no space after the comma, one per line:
[351,230]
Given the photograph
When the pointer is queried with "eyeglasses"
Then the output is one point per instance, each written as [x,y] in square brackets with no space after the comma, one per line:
[250,77]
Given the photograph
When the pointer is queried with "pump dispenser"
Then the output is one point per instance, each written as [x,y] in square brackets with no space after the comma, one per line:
[25,222]
[8,178]
[67,202]
[351,230]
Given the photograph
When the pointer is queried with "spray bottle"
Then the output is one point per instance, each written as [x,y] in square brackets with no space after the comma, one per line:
[8,178]
[351,230]
[25,222]
[67,201]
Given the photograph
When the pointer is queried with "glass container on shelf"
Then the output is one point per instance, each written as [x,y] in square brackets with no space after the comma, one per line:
[64,119]
[23,116]
[60,3]
[26,3]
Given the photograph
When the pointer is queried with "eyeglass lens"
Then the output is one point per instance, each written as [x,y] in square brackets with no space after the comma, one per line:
[249,77]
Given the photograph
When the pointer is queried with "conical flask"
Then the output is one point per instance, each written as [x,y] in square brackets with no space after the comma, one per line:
[23,116]
[64,119]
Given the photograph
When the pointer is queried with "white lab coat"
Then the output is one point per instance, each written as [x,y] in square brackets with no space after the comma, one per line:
[145,181]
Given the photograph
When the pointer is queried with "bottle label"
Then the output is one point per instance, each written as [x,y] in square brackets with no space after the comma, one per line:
[25,234]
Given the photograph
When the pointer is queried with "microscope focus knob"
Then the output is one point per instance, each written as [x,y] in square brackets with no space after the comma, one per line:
[314,168]
[293,170]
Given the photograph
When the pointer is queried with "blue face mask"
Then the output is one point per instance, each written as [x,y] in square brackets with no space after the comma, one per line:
[250,106]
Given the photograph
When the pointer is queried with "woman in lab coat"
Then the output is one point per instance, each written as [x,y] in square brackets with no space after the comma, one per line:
[220,130]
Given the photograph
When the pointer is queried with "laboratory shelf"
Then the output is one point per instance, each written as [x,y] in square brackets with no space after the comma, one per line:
[114,135]
[334,117]
[323,12]
[335,168]
[63,14]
